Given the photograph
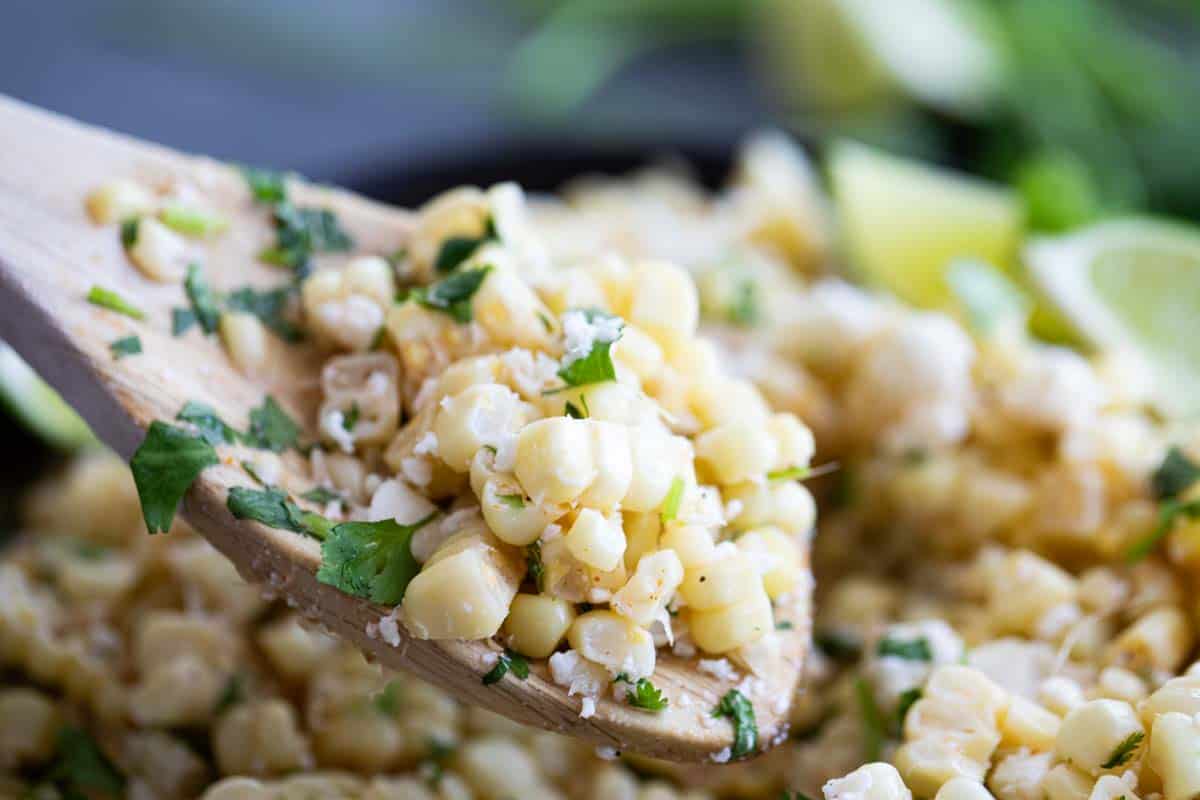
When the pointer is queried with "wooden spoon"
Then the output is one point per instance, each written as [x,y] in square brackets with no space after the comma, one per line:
[51,255]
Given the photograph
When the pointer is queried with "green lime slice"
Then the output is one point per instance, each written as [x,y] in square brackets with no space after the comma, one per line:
[903,223]
[1131,284]
[28,398]
[846,54]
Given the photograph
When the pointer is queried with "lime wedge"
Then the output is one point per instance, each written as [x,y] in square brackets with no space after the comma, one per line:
[846,54]
[28,398]
[1131,284]
[903,222]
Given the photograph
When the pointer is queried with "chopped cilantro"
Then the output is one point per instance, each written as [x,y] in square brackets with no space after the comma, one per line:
[371,559]
[164,466]
[233,693]
[1124,751]
[547,323]
[1168,513]
[271,306]
[192,221]
[126,346]
[129,232]
[269,506]
[910,649]
[107,298]
[267,185]
[378,339]
[210,426]
[872,721]
[670,507]
[745,728]
[745,308]
[1175,475]
[597,365]
[838,645]
[457,249]
[515,501]
[580,411]
[271,428]
[351,418]
[646,695]
[784,625]
[533,563]
[81,769]
[789,474]
[388,702]
[507,662]
[182,320]
[323,496]
[202,299]
[300,232]
[453,294]
[252,471]
[906,700]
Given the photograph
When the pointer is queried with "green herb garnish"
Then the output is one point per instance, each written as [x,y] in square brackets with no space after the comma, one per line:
[271,306]
[271,507]
[745,728]
[533,564]
[670,507]
[515,501]
[789,474]
[1168,513]
[210,426]
[906,700]
[81,769]
[164,466]
[784,625]
[457,249]
[300,232]
[1175,475]
[1124,751]
[597,366]
[129,232]
[182,320]
[271,428]
[323,496]
[910,649]
[452,294]
[233,693]
[191,221]
[203,300]
[107,298]
[267,185]
[507,662]
[872,721]
[838,645]
[388,702]
[371,559]
[580,411]
[646,695]
[126,346]
[745,308]
[351,417]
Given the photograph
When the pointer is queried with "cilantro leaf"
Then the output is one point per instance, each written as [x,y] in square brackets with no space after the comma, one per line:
[267,185]
[233,693]
[506,662]
[126,346]
[272,508]
[388,702]
[573,411]
[872,721]
[533,563]
[745,307]
[457,249]
[300,232]
[838,645]
[745,728]
[647,696]
[670,506]
[1124,751]
[784,625]
[906,701]
[182,320]
[371,559]
[597,366]
[82,769]
[203,301]
[107,298]
[351,418]
[164,466]
[1175,475]
[192,221]
[323,496]
[1168,513]
[789,474]
[271,306]
[210,426]
[514,501]
[453,294]
[909,649]
[129,232]
[271,428]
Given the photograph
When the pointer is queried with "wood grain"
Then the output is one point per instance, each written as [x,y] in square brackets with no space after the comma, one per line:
[50,255]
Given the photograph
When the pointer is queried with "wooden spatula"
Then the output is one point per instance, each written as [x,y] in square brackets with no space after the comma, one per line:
[51,255]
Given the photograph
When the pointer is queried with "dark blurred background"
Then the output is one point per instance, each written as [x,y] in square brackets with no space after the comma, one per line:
[400,97]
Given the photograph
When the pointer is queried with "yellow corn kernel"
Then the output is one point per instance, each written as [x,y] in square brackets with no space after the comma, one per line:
[1175,755]
[596,540]
[962,789]
[1091,734]
[611,459]
[1065,782]
[160,253]
[641,535]
[1028,724]
[245,339]
[537,623]
[554,459]
[777,556]
[119,200]
[875,781]
[692,543]
[736,452]
[512,517]
[510,311]
[716,402]
[664,301]
[1180,694]
[484,414]
[614,642]
[657,459]
[720,583]
[721,630]
[646,594]
[1160,639]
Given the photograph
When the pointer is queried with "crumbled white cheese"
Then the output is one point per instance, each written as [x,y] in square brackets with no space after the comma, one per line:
[333,426]
[551,532]
[607,753]
[721,756]
[426,445]
[267,468]
[577,674]
[587,708]
[581,335]
[389,627]
[529,373]
[718,667]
